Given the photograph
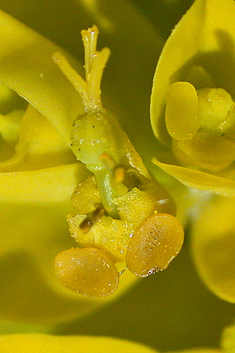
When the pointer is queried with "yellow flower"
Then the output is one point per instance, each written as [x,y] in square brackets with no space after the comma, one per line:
[163,311]
[192,104]
[39,173]
[192,114]
[122,219]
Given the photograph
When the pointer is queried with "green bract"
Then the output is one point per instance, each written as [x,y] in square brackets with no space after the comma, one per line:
[192,104]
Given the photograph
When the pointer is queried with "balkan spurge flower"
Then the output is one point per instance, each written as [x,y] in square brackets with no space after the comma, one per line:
[192,104]
[120,213]
[38,170]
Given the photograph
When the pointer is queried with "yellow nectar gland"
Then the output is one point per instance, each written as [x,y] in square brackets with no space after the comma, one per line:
[87,271]
[154,245]
[205,137]
[120,212]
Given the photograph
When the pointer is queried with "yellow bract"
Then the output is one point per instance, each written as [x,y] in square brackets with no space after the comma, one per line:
[201,350]
[228,339]
[154,244]
[38,173]
[213,246]
[38,343]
